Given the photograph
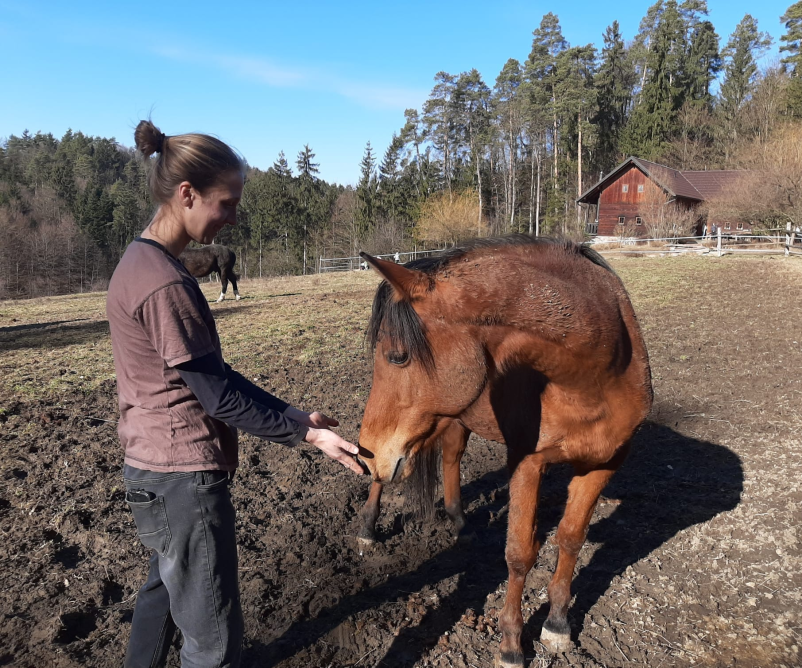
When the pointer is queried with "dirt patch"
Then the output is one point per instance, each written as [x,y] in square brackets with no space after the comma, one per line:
[693,558]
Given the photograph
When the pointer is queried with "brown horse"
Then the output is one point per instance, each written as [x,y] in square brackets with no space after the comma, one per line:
[201,262]
[525,341]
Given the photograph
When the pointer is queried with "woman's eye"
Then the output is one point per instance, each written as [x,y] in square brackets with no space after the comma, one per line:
[396,357]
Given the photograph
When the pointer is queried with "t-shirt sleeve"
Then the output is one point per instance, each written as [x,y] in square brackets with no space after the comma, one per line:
[172,320]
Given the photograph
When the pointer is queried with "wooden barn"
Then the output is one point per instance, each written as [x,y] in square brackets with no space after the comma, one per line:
[621,202]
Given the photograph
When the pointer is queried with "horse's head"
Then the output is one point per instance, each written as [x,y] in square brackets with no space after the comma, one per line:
[428,366]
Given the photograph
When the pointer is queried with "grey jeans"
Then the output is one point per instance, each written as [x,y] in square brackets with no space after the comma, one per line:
[187,519]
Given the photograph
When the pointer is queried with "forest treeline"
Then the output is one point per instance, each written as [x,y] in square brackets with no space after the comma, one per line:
[477,158]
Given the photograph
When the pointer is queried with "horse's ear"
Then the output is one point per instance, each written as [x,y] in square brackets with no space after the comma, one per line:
[407,283]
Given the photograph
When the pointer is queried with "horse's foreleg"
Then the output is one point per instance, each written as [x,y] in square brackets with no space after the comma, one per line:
[521,554]
[454,440]
[370,513]
[583,493]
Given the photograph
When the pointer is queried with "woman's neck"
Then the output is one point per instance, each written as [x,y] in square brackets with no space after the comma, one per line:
[166,230]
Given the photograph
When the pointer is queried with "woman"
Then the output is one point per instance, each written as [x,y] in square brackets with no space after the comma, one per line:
[180,406]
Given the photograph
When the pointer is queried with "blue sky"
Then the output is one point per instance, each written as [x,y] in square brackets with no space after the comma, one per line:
[270,76]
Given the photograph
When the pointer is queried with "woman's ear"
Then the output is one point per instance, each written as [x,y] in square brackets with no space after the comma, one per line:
[186,194]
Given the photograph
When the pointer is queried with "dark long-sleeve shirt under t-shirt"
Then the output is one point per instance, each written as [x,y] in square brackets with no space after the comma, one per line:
[180,405]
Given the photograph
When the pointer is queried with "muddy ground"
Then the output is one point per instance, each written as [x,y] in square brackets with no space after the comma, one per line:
[693,558]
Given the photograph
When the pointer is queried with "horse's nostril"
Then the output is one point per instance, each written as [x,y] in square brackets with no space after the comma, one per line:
[399,466]
[367,454]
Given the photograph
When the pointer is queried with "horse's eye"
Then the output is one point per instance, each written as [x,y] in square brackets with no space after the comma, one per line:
[397,357]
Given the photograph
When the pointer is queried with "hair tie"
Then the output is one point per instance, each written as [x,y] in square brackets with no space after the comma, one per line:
[160,142]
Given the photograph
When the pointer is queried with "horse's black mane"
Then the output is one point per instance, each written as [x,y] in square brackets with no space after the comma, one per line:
[430,265]
[398,320]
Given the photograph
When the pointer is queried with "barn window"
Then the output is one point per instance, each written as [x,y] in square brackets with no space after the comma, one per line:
[726,226]
[638,220]
[740,226]
[640,187]
[625,188]
[621,220]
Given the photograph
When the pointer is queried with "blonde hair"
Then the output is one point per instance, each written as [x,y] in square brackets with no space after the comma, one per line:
[200,159]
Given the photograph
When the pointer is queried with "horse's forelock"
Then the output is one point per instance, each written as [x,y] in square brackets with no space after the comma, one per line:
[398,320]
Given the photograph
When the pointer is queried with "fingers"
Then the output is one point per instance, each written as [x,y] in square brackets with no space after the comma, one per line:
[351,463]
[335,447]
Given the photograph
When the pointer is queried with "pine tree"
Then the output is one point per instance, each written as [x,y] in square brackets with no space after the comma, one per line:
[414,132]
[703,65]
[439,119]
[366,191]
[547,43]
[614,83]
[576,69]
[308,193]
[744,47]
[792,19]
[389,196]
[654,119]
[642,45]
[508,103]
[473,103]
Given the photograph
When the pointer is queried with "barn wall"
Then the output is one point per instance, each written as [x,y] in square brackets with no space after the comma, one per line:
[614,202]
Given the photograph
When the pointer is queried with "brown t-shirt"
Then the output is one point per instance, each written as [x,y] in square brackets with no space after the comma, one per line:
[159,318]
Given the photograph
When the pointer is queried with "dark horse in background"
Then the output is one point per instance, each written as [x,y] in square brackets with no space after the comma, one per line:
[526,341]
[201,262]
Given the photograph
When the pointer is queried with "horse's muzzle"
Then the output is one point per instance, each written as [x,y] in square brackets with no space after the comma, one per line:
[364,466]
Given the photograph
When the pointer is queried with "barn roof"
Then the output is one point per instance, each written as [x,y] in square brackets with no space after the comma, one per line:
[696,185]
[711,183]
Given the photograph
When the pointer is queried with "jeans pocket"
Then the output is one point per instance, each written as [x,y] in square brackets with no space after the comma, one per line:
[150,518]
[212,481]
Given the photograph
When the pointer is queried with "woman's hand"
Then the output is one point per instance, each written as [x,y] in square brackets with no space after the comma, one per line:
[335,447]
[322,437]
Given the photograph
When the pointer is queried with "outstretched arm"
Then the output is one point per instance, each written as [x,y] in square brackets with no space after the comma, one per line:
[231,398]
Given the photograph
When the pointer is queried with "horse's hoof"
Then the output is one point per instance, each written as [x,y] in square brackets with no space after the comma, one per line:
[509,660]
[237,298]
[365,544]
[220,298]
[556,643]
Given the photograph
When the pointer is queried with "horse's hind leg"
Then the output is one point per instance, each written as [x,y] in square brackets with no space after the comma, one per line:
[370,513]
[521,554]
[454,440]
[234,285]
[224,281]
[583,493]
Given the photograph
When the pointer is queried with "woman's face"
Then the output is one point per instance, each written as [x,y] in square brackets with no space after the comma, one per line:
[214,209]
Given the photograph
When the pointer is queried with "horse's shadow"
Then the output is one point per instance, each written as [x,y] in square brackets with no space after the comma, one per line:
[669,482]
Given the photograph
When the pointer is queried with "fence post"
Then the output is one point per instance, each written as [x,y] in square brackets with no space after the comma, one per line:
[788,238]
[718,242]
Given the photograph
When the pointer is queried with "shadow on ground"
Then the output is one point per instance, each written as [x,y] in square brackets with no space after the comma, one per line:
[669,482]
[61,333]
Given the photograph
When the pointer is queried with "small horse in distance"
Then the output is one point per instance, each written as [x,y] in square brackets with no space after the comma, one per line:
[201,262]
[526,341]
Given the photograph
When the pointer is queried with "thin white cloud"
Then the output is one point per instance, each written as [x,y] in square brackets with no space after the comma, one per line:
[265,72]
